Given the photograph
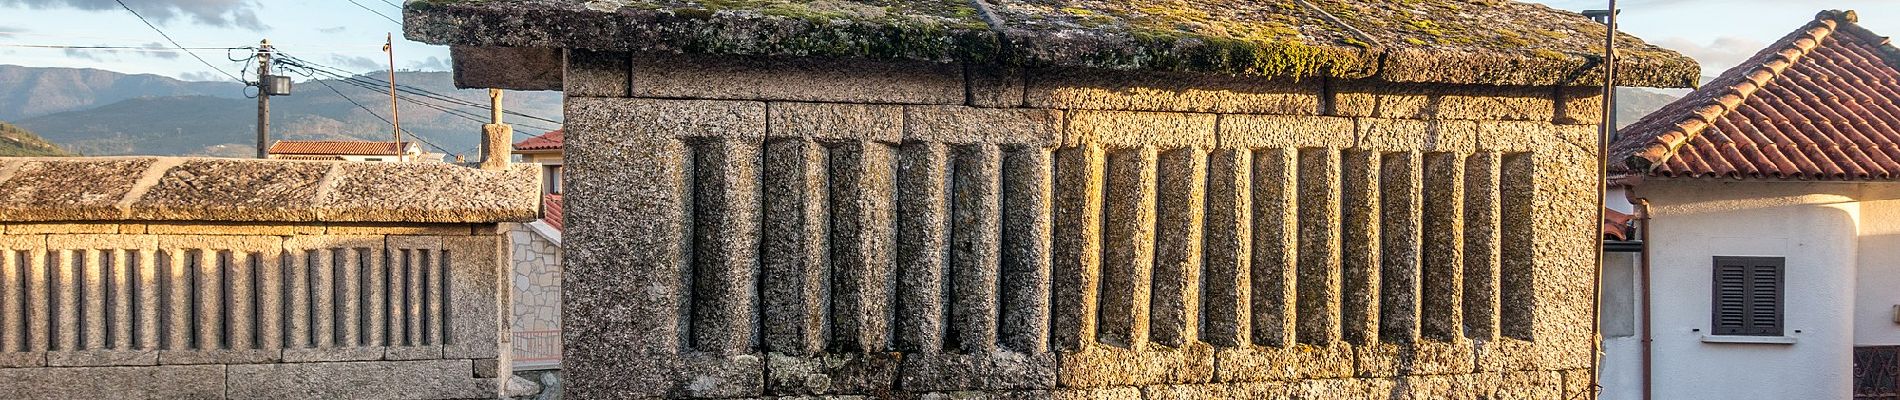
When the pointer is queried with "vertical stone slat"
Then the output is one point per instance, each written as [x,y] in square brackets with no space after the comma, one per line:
[323,297]
[976,247]
[727,240]
[923,230]
[430,288]
[348,303]
[120,322]
[179,287]
[39,272]
[1359,243]
[1443,249]
[862,177]
[210,294]
[1517,285]
[1128,247]
[299,298]
[412,306]
[92,299]
[1276,245]
[66,310]
[1228,294]
[795,253]
[1481,245]
[1319,252]
[1180,201]
[13,298]
[1076,267]
[147,322]
[376,282]
[238,278]
[270,301]
[1027,192]
[397,289]
[1399,235]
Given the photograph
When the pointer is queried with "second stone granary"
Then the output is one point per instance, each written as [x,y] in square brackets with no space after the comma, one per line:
[1109,199]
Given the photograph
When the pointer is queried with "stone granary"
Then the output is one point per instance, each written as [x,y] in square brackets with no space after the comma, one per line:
[198,278]
[1072,199]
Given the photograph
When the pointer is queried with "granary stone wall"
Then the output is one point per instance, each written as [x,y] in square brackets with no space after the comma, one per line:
[128,278]
[747,227]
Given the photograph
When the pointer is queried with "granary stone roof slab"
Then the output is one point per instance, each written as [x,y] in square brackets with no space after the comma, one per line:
[1493,42]
[248,190]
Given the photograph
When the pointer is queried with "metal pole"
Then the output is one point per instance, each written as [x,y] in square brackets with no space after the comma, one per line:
[389,46]
[1603,180]
[263,98]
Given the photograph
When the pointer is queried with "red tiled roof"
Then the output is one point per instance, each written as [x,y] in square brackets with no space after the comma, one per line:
[1822,103]
[547,141]
[1616,224]
[551,211]
[327,147]
[309,157]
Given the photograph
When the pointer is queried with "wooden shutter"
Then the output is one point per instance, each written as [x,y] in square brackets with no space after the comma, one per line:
[1747,295]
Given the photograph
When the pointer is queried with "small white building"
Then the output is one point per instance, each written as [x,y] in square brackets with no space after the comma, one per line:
[350,150]
[1772,197]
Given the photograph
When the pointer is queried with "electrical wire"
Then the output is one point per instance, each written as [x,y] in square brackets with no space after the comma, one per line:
[180,47]
[311,69]
[373,11]
[380,84]
[373,114]
[133,48]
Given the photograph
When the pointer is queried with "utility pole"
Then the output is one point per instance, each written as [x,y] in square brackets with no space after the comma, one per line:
[263,98]
[389,46]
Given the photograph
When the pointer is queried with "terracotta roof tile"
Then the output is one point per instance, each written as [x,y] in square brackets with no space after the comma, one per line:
[328,147]
[551,211]
[547,141]
[1616,224]
[1820,104]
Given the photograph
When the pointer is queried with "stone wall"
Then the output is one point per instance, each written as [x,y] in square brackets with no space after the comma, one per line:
[536,281]
[193,278]
[745,227]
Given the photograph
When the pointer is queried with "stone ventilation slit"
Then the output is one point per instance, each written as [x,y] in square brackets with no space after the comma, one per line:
[1127,260]
[1227,294]
[1276,245]
[1180,204]
[1025,276]
[861,195]
[794,250]
[446,298]
[1517,293]
[1482,239]
[724,267]
[1075,262]
[13,292]
[1399,276]
[923,228]
[1360,246]
[975,247]
[1442,290]
[1319,274]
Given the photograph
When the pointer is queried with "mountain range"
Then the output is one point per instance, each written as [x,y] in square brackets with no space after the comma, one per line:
[104,113]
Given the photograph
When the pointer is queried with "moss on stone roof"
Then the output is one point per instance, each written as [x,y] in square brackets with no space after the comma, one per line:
[1450,41]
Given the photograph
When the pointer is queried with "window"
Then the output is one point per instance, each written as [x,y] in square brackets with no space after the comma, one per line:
[1748,295]
[372,159]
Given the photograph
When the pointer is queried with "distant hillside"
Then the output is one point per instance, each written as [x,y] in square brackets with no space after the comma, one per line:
[27,92]
[219,126]
[1634,103]
[16,142]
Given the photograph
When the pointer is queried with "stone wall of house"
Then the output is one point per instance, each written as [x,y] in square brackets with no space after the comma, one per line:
[744,227]
[537,298]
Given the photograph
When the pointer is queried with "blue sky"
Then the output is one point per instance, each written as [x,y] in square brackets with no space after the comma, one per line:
[345,35]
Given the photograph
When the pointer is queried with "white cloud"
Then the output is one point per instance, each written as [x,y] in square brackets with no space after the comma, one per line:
[1718,55]
[219,13]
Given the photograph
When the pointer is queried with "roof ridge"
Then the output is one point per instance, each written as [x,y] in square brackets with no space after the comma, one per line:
[1723,94]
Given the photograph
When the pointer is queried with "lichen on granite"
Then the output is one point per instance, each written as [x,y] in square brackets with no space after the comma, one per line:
[1505,42]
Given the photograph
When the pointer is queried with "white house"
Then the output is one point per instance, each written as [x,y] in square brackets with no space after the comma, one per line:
[1772,230]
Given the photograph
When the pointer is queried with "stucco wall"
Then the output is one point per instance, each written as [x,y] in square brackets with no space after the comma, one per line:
[1878,276]
[1814,226]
